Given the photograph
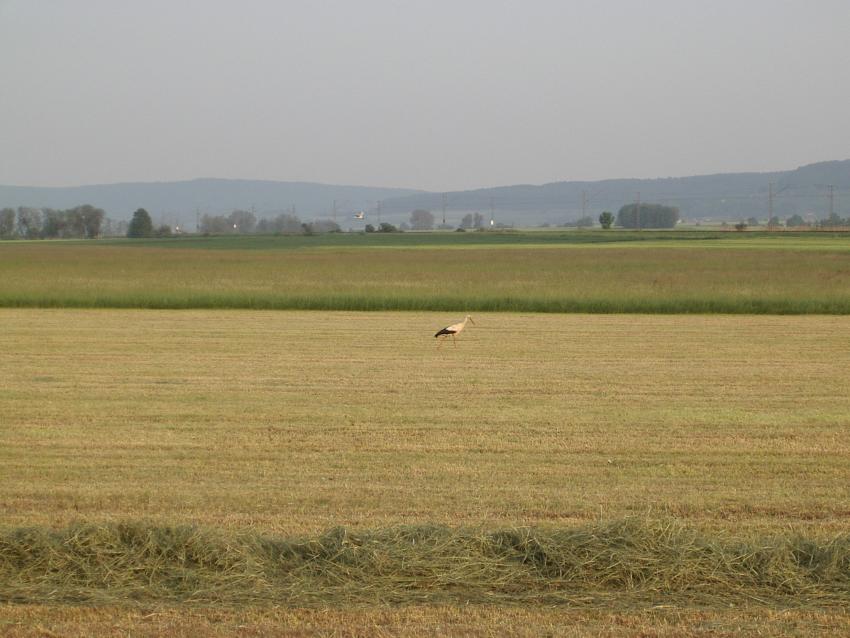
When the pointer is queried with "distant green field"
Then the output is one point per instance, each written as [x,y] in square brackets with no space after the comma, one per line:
[535,271]
[508,238]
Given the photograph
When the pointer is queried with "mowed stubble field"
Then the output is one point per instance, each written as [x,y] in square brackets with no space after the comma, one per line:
[297,421]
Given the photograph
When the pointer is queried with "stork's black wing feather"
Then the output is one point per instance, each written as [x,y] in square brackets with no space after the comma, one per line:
[445,331]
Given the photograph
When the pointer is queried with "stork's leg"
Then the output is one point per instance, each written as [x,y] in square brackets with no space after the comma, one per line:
[454,341]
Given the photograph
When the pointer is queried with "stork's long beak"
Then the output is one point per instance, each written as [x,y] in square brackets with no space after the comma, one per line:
[471,321]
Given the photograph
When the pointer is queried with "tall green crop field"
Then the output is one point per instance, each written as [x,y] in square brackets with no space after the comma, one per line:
[661,274]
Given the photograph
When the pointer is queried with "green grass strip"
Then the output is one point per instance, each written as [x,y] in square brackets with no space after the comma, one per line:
[632,560]
[552,237]
[483,303]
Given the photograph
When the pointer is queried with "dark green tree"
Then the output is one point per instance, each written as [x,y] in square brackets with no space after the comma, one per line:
[606,219]
[141,224]
[647,216]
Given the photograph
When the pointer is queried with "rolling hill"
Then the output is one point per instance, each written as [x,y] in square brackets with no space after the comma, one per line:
[726,196]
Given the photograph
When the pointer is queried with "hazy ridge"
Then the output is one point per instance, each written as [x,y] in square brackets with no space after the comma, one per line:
[804,191]
[205,196]
[720,196]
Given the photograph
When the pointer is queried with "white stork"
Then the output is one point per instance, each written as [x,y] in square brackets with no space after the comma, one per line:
[452,330]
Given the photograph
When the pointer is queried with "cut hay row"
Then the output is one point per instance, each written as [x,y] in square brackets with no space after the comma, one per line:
[630,559]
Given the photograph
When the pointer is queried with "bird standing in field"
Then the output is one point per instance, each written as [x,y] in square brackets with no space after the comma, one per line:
[452,330]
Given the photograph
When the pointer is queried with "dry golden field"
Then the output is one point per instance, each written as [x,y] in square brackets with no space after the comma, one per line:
[294,422]
[29,621]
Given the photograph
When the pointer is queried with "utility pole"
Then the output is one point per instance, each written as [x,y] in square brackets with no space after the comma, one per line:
[334,209]
[444,209]
[770,204]
[772,194]
[831,200]
[379,212]
[583,204]
[492,208]
[197,220]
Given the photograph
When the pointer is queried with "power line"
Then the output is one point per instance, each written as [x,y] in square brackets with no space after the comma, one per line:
[637,212]
[770,203]
[444,209]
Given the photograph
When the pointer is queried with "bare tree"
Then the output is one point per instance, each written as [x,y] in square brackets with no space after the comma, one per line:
[29,222]
[242,221]
[7,223]
[421,219]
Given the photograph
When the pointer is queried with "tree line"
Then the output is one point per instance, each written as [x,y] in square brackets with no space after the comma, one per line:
[80,222]
[833,221]
[243,222]
[88,222]
[796,221]
[238,222]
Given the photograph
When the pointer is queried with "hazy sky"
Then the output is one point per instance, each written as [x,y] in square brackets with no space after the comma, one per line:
[434,94]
